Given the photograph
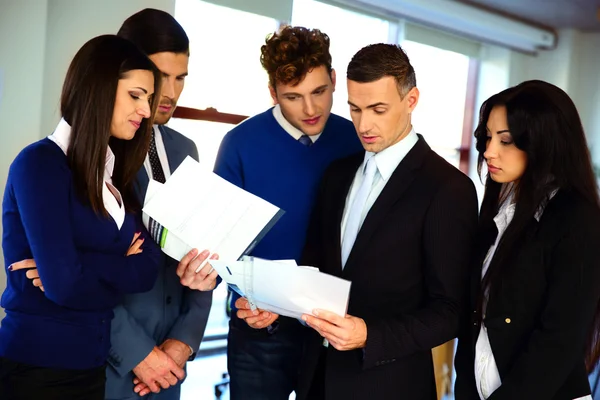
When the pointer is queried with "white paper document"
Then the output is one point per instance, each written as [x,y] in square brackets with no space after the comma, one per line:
[201,210]
[168,241]
[283,287]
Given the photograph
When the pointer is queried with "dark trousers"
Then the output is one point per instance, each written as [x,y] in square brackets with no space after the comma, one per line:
[317,388]
[27,382]
[264,365]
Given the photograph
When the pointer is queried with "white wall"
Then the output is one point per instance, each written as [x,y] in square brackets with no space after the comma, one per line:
[38,39]
[70,24]
[574,67]
[21,73]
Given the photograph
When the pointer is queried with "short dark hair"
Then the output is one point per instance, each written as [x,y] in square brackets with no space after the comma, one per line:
[291,53]
[155,31]
[87,104]
[377,61]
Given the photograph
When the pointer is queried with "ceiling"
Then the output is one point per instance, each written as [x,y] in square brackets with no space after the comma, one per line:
[583,15]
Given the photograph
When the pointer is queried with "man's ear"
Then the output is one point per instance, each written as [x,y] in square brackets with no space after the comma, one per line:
[413,99]
[333,79]
[273,94]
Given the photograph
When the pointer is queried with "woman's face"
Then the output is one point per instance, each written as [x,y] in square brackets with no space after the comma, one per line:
[132,103]
[505,161]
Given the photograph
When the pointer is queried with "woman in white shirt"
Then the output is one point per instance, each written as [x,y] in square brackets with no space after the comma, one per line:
[533,325]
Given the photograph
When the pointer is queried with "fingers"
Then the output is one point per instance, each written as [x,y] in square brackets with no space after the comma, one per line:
[140,387]
[135,237]
[242,304]
[185,261]
[32,273]
[330,317]
[205,279]
[24,264]
[135,248]
[176,370]
[38,283]
[186,270]
[326,329]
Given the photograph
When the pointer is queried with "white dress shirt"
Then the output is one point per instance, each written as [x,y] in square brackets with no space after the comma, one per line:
[487,377]
[111,197]
[387,161]
[162,155]
[289,128]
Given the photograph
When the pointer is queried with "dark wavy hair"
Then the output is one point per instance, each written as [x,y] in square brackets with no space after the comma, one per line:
[155,31]
[87,104]
[377,61]
[544,123]
[288,55]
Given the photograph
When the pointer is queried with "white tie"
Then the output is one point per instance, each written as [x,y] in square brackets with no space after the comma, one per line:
[356,209]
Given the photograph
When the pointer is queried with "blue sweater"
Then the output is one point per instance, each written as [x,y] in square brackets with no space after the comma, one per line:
[262,158]
[81,260]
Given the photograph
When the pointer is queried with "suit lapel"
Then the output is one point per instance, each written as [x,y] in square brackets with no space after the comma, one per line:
[175,155]
[393,191]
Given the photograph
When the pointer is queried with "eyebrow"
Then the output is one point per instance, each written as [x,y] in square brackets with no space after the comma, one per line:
[498,132]
[369,106]
[179,76]
[298,94]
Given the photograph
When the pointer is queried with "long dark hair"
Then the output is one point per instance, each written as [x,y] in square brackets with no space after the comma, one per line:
[544,123]
[87,104]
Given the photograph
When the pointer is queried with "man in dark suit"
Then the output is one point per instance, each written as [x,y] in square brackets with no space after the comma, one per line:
[399,222]
[155,333]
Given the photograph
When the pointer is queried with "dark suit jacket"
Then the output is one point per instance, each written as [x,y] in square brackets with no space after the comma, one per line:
[408,267]
[169,310]
[539,316]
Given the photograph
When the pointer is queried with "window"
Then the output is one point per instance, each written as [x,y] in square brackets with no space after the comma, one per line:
[349,32]
[442,81]
[224,71]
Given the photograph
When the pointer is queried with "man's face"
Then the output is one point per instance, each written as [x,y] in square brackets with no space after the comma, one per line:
[174,67]
[380,115]
[307,105]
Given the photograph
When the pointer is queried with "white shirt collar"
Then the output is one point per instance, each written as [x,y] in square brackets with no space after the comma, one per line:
[111,197]
[388,159]
[62,137]
[289,128]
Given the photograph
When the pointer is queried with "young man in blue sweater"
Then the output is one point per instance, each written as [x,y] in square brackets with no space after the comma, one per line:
[280,155]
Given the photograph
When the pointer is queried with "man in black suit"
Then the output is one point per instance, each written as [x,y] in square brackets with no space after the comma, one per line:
[399,222]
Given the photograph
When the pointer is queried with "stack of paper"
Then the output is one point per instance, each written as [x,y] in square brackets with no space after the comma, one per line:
[201,210]
[283,287]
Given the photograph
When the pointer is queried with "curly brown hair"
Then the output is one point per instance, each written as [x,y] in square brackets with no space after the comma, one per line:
[288,55]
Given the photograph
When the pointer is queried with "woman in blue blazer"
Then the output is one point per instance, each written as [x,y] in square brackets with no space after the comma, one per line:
[69,203]
[534,322]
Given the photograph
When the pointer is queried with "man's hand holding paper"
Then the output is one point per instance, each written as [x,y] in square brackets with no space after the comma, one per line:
[343,333]
[203,280]
[257,319]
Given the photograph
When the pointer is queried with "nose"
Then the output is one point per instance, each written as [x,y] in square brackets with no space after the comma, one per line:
[491,150]
[144,110]
[363,124]
[168,87]
[309,107]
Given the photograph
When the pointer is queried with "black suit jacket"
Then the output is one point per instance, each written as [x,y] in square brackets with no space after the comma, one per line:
[408,267]
[539,316]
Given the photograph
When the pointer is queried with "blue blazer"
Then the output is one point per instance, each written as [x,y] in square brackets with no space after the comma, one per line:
[169,310]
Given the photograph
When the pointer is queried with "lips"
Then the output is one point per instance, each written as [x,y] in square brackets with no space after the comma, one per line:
[369,139]
[136,124]
[493,169]
[312,121]
[165,107]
